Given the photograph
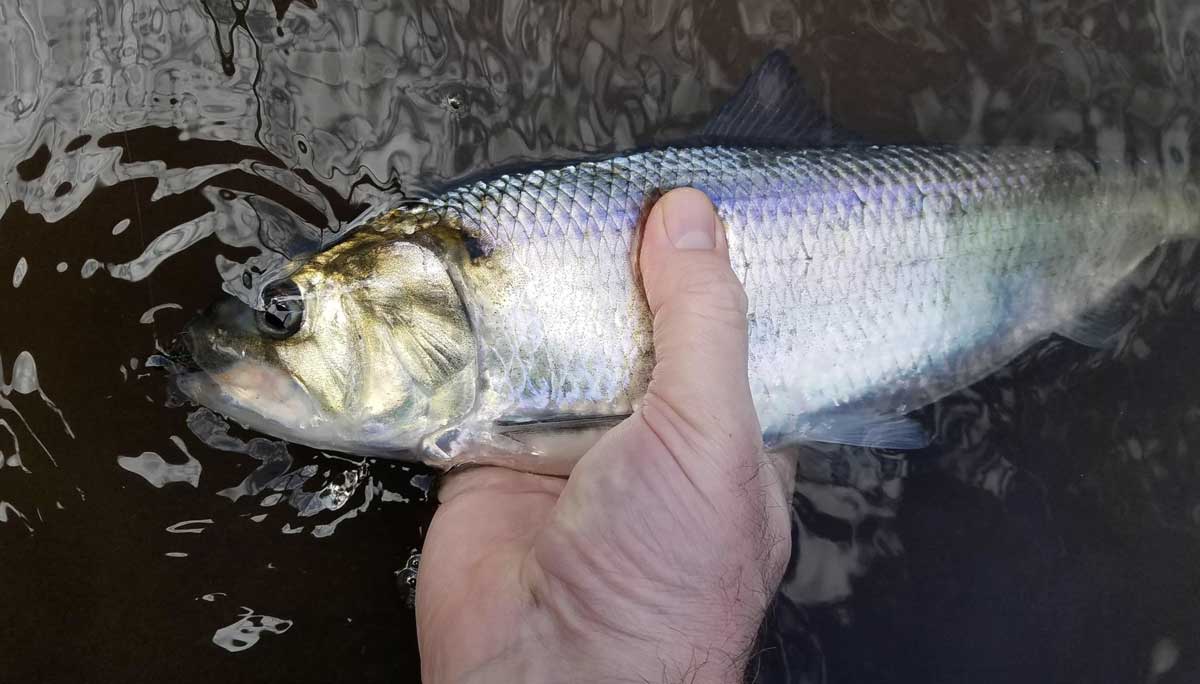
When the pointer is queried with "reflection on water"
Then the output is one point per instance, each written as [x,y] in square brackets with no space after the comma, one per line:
[154,151]
[249,628]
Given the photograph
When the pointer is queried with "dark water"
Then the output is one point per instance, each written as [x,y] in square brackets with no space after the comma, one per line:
[153,150]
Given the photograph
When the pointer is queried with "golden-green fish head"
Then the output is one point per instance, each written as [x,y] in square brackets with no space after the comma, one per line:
[365,348]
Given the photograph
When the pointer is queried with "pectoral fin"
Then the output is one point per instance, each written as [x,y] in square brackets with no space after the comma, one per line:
[550,448]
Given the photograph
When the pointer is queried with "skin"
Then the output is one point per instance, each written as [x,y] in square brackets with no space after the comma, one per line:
[656,559]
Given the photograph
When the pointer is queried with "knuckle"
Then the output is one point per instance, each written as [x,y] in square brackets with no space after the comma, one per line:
[724,438]
[715,290]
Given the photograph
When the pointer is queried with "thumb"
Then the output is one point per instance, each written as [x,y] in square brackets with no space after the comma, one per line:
[699,396]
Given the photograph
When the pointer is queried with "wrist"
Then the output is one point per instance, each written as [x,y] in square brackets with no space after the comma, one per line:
[597,655]
[672,667]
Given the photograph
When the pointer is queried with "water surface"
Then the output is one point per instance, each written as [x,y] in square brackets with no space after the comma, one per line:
[153,152]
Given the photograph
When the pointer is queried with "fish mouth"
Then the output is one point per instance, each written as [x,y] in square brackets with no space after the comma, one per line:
[209,341]
[250,391]
[209,365]
[268,400]
[179,354]
[177,359]
[184,356]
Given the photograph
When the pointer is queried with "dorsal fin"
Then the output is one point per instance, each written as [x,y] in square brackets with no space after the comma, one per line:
[772,108]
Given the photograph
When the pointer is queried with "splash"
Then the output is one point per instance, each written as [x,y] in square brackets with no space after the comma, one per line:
[276,480]
[342,495]
[336,493]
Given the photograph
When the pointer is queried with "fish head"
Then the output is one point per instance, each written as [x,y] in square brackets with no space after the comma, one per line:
[366,348]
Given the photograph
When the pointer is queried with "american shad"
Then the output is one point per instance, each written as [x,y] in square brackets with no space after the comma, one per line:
[503,321]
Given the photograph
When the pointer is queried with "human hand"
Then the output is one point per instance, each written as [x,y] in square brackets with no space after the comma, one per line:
[656,559]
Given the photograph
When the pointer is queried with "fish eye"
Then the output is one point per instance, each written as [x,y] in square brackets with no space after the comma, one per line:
[282,311]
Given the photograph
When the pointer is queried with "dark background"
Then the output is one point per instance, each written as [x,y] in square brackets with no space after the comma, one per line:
[1049,535]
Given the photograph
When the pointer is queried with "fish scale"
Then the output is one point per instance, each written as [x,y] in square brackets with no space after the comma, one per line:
[877,277]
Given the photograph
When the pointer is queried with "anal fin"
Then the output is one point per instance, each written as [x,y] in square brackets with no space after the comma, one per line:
[857,428]
[1095,331]
[1102,327]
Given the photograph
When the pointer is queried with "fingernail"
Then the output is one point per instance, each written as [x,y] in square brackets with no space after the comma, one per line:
[690,221]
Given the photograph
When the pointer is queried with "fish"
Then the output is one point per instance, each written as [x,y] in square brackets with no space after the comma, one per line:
[502,320]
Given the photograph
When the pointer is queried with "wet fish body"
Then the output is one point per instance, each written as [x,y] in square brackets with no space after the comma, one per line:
[506,310]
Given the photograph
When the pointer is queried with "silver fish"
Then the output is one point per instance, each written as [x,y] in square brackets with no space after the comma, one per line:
[503,319]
